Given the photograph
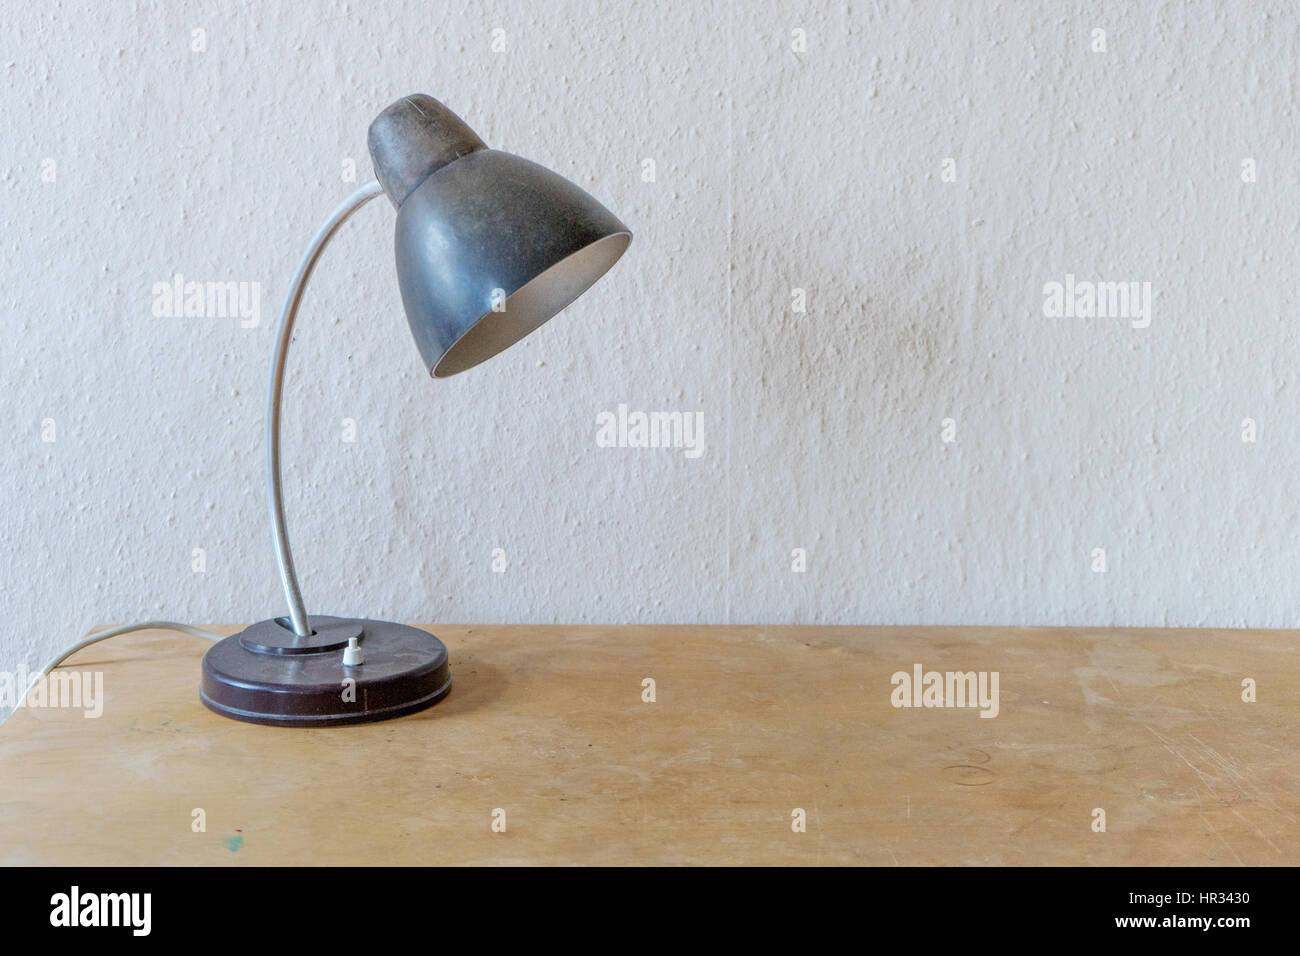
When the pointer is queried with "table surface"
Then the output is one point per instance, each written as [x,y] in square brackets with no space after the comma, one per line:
[547,727]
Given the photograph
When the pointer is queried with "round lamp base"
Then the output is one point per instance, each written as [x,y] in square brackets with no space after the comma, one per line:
[269,675]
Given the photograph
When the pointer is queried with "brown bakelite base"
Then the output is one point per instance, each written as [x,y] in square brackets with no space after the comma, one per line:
[269,675]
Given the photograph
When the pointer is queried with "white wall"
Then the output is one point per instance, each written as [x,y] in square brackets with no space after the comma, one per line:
[775,170]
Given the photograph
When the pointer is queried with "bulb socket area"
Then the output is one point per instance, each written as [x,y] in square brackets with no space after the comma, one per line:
[413,139]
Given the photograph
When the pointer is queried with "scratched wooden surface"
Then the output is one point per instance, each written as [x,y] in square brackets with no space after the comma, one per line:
[548,724]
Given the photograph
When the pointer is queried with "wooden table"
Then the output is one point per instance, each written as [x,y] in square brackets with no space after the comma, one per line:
[549,725]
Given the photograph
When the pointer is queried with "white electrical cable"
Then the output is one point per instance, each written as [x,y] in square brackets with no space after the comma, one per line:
[114,632]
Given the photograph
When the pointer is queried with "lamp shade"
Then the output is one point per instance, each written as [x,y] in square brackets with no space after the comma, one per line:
[489,245]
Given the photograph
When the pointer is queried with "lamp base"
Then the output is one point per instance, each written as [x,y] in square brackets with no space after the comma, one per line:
[266,674]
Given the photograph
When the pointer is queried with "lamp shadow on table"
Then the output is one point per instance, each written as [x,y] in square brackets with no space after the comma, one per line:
[475,685]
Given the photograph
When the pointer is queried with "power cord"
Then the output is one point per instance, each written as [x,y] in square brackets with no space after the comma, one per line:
[115,632]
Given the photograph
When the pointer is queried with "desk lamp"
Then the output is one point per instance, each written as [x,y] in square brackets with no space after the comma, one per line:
[489,246]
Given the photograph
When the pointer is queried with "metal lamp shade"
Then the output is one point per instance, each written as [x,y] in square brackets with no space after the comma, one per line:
[489,245]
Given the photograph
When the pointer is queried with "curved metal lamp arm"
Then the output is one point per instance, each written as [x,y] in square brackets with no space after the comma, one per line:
[288,579]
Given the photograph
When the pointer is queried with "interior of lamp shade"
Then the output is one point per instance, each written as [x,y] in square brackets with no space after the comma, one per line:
[532,304]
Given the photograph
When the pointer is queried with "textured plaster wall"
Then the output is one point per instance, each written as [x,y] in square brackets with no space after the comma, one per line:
[774,170]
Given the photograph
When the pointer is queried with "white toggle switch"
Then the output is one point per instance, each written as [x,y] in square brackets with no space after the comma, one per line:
[352,655]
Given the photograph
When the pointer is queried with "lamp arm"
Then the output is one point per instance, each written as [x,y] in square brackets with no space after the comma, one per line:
[274,498]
